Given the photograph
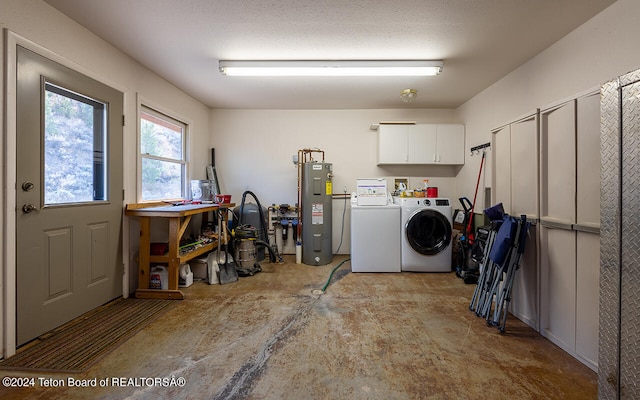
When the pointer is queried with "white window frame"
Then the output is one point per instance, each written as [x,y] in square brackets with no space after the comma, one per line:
[149,107]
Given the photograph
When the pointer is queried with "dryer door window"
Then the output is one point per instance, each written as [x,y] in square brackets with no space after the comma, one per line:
[428,232]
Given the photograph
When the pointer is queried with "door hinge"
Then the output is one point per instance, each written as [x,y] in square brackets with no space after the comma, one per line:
[123,120]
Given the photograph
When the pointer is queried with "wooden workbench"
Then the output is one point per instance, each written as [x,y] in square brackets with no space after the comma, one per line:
[178,217]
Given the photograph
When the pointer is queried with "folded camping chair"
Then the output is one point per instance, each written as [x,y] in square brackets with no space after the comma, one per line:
[503,298]
[499,256]
[488,269]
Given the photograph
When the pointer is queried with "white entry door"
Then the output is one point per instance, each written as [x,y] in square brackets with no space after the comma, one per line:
[69,194]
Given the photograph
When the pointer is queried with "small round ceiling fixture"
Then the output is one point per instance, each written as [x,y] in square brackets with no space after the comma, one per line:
[408,95]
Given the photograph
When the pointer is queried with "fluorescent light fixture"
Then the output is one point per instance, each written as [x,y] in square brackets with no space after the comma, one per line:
[330,68]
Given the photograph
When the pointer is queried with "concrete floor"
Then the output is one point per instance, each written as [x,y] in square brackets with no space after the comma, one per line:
[369,336]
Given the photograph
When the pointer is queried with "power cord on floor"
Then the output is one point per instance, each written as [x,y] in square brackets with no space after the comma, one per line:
[344,210]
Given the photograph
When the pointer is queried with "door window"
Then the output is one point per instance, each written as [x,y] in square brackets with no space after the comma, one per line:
[74,147]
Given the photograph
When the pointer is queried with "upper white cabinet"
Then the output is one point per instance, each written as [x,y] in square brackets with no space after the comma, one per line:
[421,144]
[450,144]
[392,144]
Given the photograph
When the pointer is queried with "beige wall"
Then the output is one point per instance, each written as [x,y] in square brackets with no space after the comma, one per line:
[254,150]
[596,52]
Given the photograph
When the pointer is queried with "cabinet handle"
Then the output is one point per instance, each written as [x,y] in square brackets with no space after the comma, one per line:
[556,224]
[588,228]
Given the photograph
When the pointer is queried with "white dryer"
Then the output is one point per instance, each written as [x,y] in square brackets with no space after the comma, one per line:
[425,229]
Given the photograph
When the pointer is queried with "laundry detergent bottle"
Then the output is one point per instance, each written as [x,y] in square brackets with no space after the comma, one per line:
[159,278]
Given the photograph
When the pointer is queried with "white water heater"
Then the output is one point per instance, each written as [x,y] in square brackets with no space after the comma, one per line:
[316,213]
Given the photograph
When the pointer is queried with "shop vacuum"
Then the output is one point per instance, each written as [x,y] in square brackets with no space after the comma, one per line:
[249,238]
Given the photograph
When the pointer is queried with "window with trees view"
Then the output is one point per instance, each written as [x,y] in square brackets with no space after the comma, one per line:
[163,156]
[74,147]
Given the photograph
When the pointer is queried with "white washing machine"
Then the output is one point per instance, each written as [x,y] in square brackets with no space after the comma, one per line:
[425,229]
[375,238]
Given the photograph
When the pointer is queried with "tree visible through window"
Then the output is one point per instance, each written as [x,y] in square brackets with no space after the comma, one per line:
[163,161]
[74,147]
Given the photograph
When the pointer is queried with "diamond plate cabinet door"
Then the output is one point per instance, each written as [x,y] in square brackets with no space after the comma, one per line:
[630,272]
[619,355]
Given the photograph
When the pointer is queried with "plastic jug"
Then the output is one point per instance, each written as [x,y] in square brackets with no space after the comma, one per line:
[159,278]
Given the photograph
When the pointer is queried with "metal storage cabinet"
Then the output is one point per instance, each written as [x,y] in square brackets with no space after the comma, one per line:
[619,355]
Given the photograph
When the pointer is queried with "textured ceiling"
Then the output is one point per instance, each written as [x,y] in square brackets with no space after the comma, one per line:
[479,41]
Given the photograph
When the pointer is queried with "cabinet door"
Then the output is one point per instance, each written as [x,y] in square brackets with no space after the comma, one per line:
[630,251]
[558,287]
[524,300]
[558,163]
[450,144]
[392,144]
[515,181]
[558,243]
[587,298]
[588,161]
[524,201]
[588,219]
[421,144]
[502,167]
[524,167]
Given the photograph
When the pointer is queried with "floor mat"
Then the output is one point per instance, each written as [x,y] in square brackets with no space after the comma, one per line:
[75,346]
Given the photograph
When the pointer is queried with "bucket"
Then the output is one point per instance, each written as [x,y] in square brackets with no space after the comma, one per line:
[159,278]
[202,190]
[432,191]
[223,198]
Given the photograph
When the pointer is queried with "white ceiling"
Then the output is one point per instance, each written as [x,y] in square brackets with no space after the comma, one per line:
[479,41]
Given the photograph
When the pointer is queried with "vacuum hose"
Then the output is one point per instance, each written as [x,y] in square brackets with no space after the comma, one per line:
[262,219]
[272,254]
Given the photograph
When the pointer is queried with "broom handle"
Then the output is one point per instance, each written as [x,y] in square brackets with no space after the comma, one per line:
[473,206]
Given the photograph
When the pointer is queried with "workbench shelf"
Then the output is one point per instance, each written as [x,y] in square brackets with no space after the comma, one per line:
[179,218]
[164,259]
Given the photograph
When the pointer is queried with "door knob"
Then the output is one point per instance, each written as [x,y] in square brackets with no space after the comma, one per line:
[27,208]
